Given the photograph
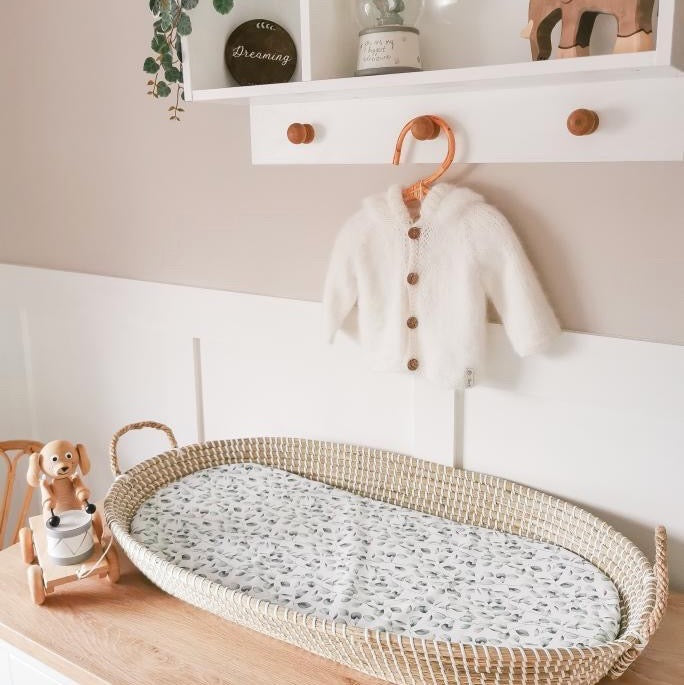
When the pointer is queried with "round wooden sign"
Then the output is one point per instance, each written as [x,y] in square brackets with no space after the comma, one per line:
[261,51]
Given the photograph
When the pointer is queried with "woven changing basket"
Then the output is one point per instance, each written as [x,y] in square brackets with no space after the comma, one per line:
[426,487]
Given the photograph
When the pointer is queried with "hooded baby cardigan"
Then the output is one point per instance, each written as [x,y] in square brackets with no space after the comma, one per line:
[420,286]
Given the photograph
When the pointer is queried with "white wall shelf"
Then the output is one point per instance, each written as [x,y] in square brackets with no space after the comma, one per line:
[475,51]
[523,74]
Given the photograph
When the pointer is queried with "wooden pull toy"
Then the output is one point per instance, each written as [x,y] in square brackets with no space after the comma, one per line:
[67,539]
[301,134]
[583,122]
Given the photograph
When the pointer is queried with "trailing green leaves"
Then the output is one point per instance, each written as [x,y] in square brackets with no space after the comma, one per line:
[171,22]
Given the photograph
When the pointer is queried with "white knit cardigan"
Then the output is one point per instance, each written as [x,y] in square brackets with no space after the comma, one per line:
[420,298]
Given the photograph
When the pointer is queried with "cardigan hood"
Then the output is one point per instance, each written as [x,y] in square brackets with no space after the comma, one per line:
[442,201]
[413,292]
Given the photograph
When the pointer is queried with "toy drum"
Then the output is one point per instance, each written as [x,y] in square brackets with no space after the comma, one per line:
[72,541]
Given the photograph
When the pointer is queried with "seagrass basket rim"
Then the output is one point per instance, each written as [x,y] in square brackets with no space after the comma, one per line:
[123,491]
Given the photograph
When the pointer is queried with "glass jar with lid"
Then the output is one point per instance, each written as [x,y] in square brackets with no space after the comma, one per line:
[389,38]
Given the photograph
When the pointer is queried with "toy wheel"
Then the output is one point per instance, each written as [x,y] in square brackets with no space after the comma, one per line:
[98,525]
[26,544]
[36,586]
[114,572]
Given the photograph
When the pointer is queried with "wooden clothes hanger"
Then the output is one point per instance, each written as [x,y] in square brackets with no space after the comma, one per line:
[426,127]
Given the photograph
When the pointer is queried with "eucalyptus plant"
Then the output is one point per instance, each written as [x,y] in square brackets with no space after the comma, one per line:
[172,21]
[390,12]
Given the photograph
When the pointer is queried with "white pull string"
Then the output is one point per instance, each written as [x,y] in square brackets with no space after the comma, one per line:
[83,572]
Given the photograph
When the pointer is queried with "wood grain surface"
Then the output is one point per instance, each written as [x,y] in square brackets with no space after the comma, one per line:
[134,634]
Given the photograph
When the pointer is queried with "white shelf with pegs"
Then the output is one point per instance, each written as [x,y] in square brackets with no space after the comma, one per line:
[474,61]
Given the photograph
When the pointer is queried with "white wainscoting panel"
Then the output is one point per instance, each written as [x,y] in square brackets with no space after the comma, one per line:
[596,420]
[276,384]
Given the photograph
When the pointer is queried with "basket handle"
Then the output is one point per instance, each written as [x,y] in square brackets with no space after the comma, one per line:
[660,569]
[113,454]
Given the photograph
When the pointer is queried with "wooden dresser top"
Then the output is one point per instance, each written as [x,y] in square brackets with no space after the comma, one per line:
[133,633]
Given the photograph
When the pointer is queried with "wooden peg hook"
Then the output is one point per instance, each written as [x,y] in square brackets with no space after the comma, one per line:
[301,134]
[583,122]
[425,128]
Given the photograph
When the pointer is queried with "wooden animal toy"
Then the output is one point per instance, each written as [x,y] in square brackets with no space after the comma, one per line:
[577,17]
[67,539]
[55,469]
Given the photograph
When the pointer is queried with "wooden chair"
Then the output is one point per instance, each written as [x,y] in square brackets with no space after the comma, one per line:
[12,452]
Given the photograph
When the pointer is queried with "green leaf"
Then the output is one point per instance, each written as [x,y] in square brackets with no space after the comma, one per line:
[166,20]
[223,6]
[155,6]
[150,66]
[167,60]
[159,44]
[172,75]
[179,48]
[184,25]
[163,89]
[189,4]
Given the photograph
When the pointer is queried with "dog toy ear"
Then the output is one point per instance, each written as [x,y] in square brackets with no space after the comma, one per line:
[33,473]
[83,459]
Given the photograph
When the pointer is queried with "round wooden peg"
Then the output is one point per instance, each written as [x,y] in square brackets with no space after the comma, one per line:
[425,128]
[301,134]
[583,122]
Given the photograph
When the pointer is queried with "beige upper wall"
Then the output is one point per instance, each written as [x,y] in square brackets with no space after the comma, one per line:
[95,179]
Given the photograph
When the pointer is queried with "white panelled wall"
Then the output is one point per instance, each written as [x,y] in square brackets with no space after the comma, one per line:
[596,420]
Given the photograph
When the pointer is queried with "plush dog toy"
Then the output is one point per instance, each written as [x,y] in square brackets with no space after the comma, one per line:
[55,470]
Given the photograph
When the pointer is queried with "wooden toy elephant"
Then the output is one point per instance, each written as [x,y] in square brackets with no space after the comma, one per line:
[634,17]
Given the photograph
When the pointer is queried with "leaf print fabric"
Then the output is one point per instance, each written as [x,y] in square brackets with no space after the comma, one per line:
[326,552]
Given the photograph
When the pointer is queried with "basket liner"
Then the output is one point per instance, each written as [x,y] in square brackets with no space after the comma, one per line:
[325,552]
[449,493]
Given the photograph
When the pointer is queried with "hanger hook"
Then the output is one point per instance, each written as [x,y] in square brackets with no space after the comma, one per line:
[420,188]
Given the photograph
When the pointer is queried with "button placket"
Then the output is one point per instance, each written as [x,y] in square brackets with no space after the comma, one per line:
[414,234]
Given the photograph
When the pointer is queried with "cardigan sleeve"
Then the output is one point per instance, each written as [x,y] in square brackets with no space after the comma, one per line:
[510,282]
[340,292]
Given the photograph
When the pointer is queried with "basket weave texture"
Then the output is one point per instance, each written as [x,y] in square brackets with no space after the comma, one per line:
[453,494]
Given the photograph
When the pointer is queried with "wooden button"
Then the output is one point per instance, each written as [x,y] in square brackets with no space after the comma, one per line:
[414,233]
[412,278]
[413,365]
[412,322]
